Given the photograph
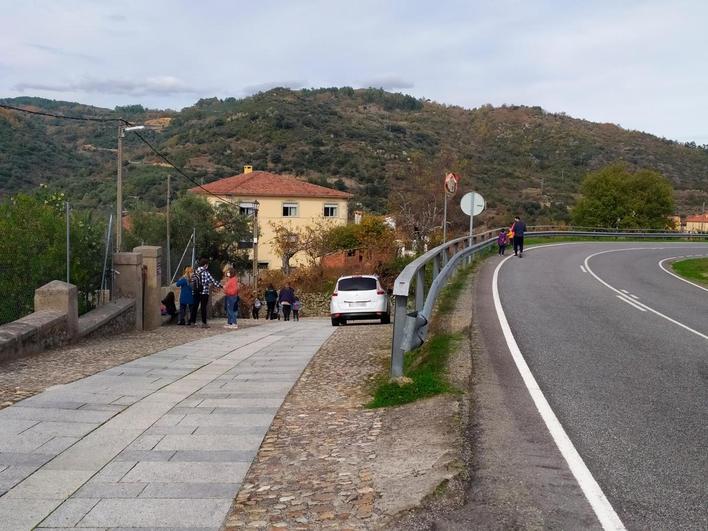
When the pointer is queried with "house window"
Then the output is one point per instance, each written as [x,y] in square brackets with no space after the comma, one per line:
[330,211]
[289,210]
[247,209]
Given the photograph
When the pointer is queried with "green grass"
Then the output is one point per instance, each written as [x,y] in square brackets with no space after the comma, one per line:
[426,367]
[692,269]
[560,239]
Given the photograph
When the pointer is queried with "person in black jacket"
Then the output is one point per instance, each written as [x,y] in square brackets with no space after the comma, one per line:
[518,228]
[271,297]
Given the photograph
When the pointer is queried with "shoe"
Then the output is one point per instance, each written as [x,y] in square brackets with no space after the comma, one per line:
[204,325]
[180,324]
[227,326]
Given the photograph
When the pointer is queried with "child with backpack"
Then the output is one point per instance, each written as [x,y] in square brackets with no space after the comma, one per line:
[297,305]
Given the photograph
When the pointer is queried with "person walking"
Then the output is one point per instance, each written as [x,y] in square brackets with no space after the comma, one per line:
[286,300]
[202,281]
[297,306]
[502,241]
[256,308]
[271,297]
[518,228]
[186,299]
[231,297]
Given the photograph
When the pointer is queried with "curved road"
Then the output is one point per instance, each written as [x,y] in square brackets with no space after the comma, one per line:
[619,348]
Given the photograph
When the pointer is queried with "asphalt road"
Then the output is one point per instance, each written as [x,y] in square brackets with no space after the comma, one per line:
[627,379]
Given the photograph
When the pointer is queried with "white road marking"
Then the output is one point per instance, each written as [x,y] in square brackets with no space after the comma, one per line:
[600,504]
[631,303]
[633,296]
[587,266]
[661,265]
[624,291]
[582,268]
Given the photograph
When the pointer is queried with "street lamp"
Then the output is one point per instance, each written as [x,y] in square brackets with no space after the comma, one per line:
[119,183]
[256,205]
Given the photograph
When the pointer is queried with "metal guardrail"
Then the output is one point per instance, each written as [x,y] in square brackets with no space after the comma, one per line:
[411,329]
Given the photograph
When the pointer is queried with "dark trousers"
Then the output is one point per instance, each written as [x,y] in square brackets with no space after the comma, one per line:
[296,315]
[255,311]
[193,311]
[271,309]
[502,247]
[204,303]
[183,313]
[286,311]
[518,244]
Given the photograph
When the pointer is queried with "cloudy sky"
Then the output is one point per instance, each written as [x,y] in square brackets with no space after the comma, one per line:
[640,64]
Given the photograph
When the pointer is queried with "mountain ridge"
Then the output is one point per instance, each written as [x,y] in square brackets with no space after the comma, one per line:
[367,141]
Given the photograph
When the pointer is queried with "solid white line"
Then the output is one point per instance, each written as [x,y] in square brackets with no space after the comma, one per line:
[633,296]
[587,266]
[661,265]
[600,504]
[582,267]
[624,291]
[631,303]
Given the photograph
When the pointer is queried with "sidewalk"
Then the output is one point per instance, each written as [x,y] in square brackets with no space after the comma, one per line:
[162,441]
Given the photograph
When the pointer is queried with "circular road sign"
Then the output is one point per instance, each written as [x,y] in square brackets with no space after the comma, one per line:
[472,203]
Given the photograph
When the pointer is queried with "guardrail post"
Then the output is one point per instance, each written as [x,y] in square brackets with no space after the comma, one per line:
[436,266]
[419,288]
[399,322]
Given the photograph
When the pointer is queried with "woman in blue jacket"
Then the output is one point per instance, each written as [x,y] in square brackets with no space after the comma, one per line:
[186,298]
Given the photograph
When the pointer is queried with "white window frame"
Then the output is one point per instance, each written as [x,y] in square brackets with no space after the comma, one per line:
[292,205]
[333,206]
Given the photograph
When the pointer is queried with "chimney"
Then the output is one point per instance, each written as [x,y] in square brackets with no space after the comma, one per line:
[247,168]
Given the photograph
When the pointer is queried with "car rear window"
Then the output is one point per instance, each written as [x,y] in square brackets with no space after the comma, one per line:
[357,284]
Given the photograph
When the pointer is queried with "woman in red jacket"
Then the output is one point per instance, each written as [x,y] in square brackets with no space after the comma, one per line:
[231,293]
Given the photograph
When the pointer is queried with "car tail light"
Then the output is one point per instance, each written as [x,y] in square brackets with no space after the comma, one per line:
[380,292]
[334,294]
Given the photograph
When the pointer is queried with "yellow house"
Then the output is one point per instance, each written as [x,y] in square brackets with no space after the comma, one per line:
[697,223]
[282,200]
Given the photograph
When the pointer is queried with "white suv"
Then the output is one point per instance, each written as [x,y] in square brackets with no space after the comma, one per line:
[359,297]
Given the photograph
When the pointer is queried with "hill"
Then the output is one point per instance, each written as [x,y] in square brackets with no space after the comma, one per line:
[367,141]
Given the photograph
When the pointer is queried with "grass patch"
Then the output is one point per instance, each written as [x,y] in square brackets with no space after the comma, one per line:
[692,269]
[535,240]
[426,367]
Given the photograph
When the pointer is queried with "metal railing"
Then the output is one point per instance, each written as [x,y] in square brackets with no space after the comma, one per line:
[411,328]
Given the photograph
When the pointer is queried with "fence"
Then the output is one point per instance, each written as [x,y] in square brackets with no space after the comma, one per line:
[411,328]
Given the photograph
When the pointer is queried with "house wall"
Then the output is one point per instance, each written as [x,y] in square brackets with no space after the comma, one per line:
[310,210]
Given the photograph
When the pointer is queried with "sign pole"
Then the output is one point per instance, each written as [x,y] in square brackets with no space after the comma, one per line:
[445,216]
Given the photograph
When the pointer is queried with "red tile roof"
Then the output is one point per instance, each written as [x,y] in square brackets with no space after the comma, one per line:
[263,183]
[698,218]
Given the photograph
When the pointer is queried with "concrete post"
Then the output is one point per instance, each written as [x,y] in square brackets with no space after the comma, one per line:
[60,297]
[129,281]
[152,262]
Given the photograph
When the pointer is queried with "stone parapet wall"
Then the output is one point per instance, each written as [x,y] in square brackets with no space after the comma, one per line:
[111,318]
[33,333]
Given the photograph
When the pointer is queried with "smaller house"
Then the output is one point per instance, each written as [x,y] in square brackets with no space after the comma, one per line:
[697,223]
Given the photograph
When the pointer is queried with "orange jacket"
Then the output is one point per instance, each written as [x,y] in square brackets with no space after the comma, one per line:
[231,287]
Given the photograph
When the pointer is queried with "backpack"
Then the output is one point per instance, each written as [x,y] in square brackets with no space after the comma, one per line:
[197,284]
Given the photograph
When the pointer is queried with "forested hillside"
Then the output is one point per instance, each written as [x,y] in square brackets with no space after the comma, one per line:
[370,142]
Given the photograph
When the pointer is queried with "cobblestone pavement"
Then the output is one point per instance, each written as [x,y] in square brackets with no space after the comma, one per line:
[25,377]
[314,468]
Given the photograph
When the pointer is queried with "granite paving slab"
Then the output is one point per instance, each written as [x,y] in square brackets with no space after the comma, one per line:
[162,442]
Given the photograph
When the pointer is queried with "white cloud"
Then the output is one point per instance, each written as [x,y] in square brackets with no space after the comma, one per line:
[160,85]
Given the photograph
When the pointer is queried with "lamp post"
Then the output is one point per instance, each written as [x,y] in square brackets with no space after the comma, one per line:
[256,205]
[119,183]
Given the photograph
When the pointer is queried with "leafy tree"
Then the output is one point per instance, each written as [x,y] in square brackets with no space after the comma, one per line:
[285,243]
[33,250]
[616,197]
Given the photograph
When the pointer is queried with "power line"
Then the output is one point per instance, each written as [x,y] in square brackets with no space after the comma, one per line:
[63,116]
[126,122]
[168,161]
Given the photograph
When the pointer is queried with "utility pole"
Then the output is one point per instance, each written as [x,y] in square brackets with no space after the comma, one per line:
[255,245]
[119,183]
[169,249]
[119,191]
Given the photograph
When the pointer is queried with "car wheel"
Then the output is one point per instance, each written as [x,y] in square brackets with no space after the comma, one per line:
[386,318]
[335,321]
